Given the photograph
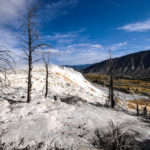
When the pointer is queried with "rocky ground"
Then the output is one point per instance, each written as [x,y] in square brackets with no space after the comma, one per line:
[67,118]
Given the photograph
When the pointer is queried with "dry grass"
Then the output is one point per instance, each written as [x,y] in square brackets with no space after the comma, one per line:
[128,86]
[116,137]
[125,85]
[142,103]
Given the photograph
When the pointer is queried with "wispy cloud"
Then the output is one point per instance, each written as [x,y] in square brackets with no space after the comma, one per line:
[75,47]
[114,3]
[85,53]
[8,37]
[57,8]
[47,50]
[81,50]
[62,38]
[84,57]
[118,45]
[138,26]
[11,9]
[81,53]
[67,38]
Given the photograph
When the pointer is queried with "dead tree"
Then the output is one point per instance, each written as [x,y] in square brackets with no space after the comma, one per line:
[46,59]
[6,64]
[30,42]
[111,84]
[137,109]
[145,111]
[137,105]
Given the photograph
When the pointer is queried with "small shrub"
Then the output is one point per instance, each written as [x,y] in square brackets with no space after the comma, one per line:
[116,138]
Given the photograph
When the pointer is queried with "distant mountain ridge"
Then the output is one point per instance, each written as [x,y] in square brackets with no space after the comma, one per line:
[134,65]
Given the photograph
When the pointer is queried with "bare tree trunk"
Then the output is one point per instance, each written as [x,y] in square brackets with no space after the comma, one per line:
[46,87]
[111,86]
[145,111]
[46,59]
[137,109]
[29,80]
[112,90]
[30,58]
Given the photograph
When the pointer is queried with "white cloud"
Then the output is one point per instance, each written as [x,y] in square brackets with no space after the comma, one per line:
[12,9]
[8,37]
[85,45]
[59,36]
[9,41]
[81,56]
[139,26]
[52,51]
[118,45]
[63,3]
[81,50]
[85,53]
[58,8]
[97,46]
[67,38]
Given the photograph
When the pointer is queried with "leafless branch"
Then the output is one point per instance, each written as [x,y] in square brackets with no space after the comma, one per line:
[6,65]
[30,42]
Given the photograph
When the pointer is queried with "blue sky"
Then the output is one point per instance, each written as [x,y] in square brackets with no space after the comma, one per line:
[82,31]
